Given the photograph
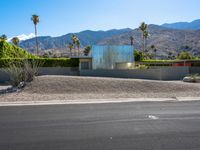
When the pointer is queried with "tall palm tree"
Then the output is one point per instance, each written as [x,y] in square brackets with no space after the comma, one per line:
[15,41]
[144,28]
[146,35]
[70,46]
[131,38]
[76,43]
[78,46]
[36,20]
[74,39]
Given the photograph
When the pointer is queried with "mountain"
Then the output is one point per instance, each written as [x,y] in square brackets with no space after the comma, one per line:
[86,37]
[165,39]
[194,25]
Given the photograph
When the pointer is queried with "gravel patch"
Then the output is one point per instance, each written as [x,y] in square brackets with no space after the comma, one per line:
[46,88]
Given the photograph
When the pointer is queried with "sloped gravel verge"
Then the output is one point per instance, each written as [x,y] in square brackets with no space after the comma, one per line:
[46,88]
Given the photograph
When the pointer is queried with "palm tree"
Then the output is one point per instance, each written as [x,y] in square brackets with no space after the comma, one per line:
[170,55]
[76,42]
[74,39]
[15,41]
[87,50]
[3,37]
[154,50]
[36,20]
[146,35]
[70,46]
[144,28]
[78,46]
[131,38]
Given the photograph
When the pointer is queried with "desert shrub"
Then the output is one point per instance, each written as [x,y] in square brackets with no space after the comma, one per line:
[192,78]
[24,70]
[21,72]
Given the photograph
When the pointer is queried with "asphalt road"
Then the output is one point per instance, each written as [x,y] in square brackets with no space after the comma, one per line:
[126,126]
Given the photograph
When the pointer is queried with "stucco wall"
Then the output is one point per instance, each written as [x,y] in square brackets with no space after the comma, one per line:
[58,71]
[163,73]
[194,70]
[46,71]
[167,73]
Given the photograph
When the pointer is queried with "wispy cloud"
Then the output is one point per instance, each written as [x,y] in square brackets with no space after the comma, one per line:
[23,37]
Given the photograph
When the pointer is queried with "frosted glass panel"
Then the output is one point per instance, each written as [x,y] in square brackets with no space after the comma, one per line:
[106,57]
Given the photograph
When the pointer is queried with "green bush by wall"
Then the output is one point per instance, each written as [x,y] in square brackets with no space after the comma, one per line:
[44,62]
[8,50]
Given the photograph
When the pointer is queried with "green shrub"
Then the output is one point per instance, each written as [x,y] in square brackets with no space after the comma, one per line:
[60,62]
[139,56]
[185,56]
[9,51]
[142,67]
[44,62]
[158,61]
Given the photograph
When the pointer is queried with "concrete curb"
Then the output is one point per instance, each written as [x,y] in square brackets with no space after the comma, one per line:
[98,101]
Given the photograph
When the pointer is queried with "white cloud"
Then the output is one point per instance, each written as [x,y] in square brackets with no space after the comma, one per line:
[23,37]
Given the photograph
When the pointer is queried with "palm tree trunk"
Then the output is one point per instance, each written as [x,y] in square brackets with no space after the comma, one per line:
[36,39]
[143,44]
[78,51]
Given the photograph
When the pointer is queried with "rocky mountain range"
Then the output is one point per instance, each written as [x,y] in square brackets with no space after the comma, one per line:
[173,38]
[194,25]
[164,39]
[60,43]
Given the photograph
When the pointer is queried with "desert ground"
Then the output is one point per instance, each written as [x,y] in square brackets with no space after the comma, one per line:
[45,88]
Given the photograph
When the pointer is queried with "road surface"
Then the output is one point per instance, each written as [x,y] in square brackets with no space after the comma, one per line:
[125,126]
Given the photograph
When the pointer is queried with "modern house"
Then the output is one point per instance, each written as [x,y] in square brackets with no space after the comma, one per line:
[108,57]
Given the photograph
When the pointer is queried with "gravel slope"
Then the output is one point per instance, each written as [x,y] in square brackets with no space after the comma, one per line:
[72,88]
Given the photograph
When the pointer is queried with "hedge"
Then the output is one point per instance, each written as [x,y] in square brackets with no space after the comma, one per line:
[9,51]
[44,62]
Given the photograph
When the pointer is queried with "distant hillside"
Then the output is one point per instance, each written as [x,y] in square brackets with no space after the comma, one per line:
[10,51]
[166,40]
[175,38]
[194,25]
[86,37]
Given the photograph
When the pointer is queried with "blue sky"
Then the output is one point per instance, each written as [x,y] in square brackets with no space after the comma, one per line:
[59,17]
